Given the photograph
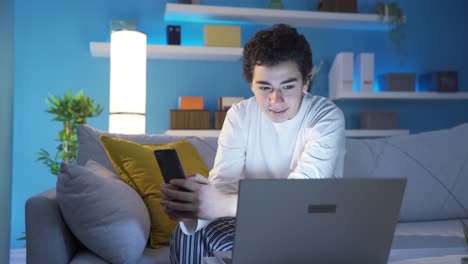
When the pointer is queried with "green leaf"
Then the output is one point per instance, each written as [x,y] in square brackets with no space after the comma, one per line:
[70,110]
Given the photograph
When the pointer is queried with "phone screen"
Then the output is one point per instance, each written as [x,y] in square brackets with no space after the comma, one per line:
[169,164]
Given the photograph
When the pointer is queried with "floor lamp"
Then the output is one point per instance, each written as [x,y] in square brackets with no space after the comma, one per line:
[127,107]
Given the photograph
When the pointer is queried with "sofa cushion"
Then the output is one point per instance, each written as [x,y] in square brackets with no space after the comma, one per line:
[90,147]
[428,256]
[435,163]
[430,234]
[114,227]
[137,166]
[150,256]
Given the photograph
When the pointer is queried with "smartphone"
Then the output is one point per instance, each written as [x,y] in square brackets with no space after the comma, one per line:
[169,164]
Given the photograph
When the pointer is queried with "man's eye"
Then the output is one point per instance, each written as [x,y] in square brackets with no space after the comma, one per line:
[264,88]
[287,87]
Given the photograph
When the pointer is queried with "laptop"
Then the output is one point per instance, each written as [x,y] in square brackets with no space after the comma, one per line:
[331,221]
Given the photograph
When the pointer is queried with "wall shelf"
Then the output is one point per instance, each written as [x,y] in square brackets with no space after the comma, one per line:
[401,96]
[240,15]
[265,16]
[173,52]
[361,133]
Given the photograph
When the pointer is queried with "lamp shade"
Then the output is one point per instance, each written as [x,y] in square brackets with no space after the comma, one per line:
[127,106]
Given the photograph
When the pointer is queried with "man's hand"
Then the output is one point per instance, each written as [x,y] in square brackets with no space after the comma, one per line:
[199,200]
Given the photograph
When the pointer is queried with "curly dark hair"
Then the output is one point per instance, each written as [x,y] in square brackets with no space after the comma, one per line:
[278,44]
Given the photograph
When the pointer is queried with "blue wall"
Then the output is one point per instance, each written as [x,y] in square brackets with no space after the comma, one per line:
[6,123]
[52,55]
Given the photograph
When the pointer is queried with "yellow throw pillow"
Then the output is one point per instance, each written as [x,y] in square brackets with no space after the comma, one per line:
[137,166]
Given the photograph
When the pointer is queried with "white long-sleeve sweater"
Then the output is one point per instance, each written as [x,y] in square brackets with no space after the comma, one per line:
[309,146]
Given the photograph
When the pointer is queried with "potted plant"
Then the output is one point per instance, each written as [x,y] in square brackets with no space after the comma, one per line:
[394,13]
[71,110]
[276,4]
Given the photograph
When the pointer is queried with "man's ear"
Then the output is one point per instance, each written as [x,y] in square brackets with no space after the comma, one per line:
[307,83]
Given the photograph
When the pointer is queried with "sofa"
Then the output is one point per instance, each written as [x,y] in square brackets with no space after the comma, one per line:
[429,228]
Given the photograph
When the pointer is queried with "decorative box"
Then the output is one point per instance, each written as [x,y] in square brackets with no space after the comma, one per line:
[190,119]
[191,103]
[173,35]
[345,6]
[224,103]
[222,36]
[440,81]
[341,74]
[219,117]
[378,120]
[397,82]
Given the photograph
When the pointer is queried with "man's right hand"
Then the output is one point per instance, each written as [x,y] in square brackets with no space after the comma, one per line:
[180,198]
[201,200]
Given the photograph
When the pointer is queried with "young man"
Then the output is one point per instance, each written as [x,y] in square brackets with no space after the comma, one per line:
[281,132]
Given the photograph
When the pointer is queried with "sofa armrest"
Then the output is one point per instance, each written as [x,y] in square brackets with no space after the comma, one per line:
[48,239]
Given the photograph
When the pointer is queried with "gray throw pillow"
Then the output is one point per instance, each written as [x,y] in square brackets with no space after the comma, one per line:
[104,213]
[100,170]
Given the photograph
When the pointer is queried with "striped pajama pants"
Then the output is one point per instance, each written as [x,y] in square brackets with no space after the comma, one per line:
[217,236]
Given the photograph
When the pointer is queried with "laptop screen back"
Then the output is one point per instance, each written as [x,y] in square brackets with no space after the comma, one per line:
[316,221]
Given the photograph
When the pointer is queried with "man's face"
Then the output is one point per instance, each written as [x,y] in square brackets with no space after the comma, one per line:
[278,90]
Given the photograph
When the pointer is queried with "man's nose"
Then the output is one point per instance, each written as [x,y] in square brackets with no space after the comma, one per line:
[276,96]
